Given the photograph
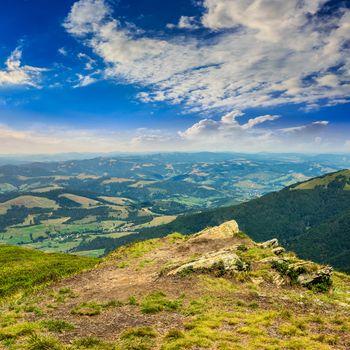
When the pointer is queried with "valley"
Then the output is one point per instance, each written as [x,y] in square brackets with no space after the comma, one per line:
[84,206]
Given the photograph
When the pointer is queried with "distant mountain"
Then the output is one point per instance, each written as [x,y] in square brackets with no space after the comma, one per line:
[312,218]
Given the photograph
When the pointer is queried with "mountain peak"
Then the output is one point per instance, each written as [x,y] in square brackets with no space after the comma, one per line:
[214,290]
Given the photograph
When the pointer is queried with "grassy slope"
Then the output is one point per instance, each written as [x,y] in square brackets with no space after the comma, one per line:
[23,269]
[140,311]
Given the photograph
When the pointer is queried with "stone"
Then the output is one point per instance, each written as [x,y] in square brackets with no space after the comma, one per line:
[321,276]
[305,273]
[226,230]
[272,243]
[278,250]
[224,260]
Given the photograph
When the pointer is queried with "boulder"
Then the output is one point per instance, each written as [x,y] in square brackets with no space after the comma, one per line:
[272,243]
[226,230]
[224,261]
[278,250]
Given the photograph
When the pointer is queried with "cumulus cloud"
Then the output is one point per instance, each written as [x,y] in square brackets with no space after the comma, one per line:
[226,127]
[271,20]
[17,74]
[257,135]
[227,134]
[263,53]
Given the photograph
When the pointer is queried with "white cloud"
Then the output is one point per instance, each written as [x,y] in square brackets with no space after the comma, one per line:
[86,16]
[276,53]
[271,20]
[252,136]
[84,80]
[62,51]
[17,74]
[90,63]
[185,22]
[228,130]
[307,129]
[226,134]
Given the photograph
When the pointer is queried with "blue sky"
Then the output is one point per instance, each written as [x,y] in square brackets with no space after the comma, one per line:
[152,75]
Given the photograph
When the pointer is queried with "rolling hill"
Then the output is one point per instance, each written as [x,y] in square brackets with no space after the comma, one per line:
[87,205]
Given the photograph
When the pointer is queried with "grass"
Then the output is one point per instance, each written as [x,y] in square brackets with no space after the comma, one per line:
[142,338]
[92,343]
[93,308]
[57,326]
[22,270]
[157,301]
[43,343]
[135,250]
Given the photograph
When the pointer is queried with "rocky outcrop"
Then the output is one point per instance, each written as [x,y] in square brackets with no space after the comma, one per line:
[304,273]
[226,230]
[272,243]
[278,250]
[320,278]
[222,261]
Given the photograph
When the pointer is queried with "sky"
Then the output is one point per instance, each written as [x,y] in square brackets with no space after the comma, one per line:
[185,75]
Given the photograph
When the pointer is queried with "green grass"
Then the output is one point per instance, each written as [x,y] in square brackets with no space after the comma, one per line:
[157,302]
[142,338]
[93,308]
[57,326]
[22,270]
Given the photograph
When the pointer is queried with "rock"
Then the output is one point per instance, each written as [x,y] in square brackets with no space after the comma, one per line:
[321,278]
[224,261]
[278,250]
[273,243]
[306,274]
[225,230]
[277,279]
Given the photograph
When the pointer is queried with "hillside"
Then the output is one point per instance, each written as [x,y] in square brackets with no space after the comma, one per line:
[214,290]
[311,218]
[22,270]
[84,205]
